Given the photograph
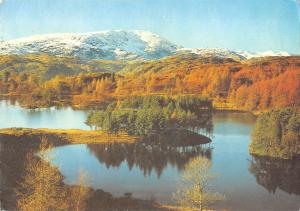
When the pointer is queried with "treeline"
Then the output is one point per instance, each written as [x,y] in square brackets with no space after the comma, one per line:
[260,84]
[43,80]
[277,134]
[144,116]
[60,90]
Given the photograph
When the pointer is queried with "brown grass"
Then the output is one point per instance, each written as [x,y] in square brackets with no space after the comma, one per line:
[74,136]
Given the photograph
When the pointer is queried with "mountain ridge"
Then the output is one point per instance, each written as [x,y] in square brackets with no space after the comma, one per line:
[110,45]
[115,45]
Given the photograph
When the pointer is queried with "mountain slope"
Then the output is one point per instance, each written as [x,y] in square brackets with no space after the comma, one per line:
[115,45]
[213,52]
[112,45]
[254,84]
[47,67]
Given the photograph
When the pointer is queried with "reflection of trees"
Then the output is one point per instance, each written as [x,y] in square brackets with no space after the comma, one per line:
[9,100]
[277,173]
[229,116]
[147,157]
[100,200]
[12,156]
[204,122]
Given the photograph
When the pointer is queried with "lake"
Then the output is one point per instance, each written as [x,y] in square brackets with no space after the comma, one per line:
[152,171]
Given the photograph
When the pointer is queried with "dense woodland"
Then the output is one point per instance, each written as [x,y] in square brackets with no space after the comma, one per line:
[277,134]
[143,116]
[256,84]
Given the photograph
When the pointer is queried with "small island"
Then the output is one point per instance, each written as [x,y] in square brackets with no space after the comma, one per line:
[148,115]
[167,120]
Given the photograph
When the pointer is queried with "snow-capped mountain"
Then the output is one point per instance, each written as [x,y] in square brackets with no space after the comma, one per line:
[213,52]
[249,55]
[224,53]
[114,44]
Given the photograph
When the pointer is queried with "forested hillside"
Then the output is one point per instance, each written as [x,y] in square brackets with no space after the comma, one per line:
[255,84]
[46,67]
[252,85]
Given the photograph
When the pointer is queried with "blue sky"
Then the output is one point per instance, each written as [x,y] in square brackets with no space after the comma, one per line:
[252,25]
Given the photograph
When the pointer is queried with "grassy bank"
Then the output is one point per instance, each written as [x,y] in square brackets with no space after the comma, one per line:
[174,138]
[73,136]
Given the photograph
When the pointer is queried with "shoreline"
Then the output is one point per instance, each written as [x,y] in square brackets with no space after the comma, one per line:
[78,136]
[67,136]
[96,104]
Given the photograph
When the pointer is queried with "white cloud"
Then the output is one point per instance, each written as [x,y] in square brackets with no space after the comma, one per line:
[2,1]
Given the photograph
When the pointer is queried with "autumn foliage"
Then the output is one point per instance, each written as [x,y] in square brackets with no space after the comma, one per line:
[256,84]
[42,187]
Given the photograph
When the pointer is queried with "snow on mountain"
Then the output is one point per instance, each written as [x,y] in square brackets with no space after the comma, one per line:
[224,53]
[114,44]
[213,52]
[249,55]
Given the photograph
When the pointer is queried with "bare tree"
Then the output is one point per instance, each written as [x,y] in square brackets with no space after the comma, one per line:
[195,189]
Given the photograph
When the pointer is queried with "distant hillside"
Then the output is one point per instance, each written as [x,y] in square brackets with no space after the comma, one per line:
[47,67]
[252,84]
[255,84]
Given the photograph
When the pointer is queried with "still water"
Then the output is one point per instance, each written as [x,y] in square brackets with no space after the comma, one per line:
[153,171]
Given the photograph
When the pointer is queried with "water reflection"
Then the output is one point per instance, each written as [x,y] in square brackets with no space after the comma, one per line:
[146,156]
[233,123]
[12,115]
[146,170]
[275,174]
[204,123]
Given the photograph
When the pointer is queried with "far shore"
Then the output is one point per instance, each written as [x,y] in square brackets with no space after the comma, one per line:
[94,104]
